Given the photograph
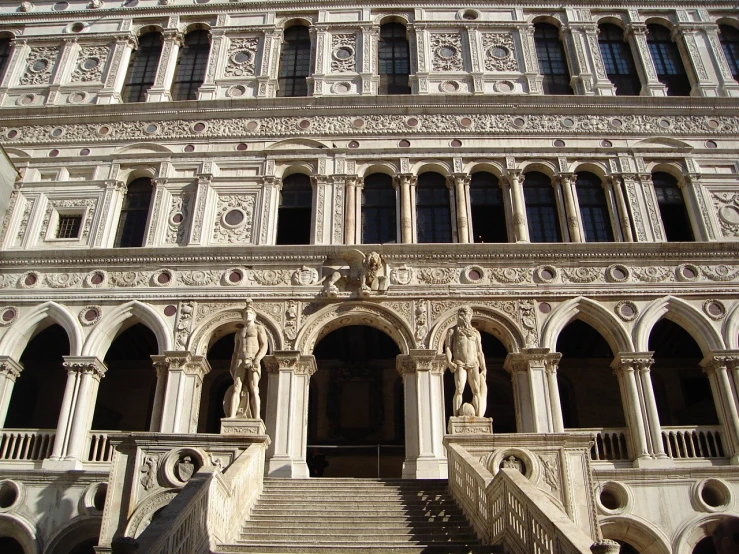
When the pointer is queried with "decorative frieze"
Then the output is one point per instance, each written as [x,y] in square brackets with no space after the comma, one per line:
[234,219]
[242,55]
[343,53]
[726,205]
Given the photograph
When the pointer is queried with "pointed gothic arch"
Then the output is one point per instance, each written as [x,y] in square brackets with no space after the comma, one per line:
[22,331]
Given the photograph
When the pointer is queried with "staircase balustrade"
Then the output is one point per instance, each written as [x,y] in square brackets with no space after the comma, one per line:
[507,509]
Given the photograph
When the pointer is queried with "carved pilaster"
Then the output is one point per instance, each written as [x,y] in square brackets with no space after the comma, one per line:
[160,91]
[637,37]
[115,74]
[690,39]
[179,385]
[197,234]
[218,40]
[722,369]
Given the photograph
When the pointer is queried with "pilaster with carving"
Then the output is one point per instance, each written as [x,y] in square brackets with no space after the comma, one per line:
[10,370]
[727,84]
[722,369]
[352,210]
[572,210]
[534,375]
[183,373]
[18,52]
[534,79]
[651,206]
[692,42]
[637,37]
[602,85]
[160,91]
[705,226]
[575,46]
[267,75]
[423,389]
[78,407]
[320,41]
[289,374]
[271,187]
[115,192]
[158,219]
[618,209]
[204,191]
[321,227]
[62,68]
[420,77]
[115,74]
[368,71]
[208,90]
[512,182]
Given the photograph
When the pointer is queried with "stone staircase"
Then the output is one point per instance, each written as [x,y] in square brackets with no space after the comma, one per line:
[322,516]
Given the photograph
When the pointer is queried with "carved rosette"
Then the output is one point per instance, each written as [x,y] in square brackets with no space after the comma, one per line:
[241,59]
[89,65]
[499,52]
[343,53]
[40,63]
[446,52]
[234,219]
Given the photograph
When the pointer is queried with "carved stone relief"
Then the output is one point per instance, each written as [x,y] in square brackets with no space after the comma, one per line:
[90,63]
[88,204]
[446,52]
[242,55]
[499,52]
[179,215]
[234,219]
[40,64]
[726,205]
[343,53]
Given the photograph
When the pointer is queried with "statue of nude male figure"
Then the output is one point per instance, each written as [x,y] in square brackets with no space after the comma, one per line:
[249,349]
[465,359]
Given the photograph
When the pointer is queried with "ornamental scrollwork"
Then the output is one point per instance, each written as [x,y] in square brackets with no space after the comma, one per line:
[234,219]
[499,52]
[343,53]
[241,59]
[726,205]
[446,52]
[90,63]
[40,63]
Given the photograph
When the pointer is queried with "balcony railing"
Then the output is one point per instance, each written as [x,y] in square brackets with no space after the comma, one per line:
[610,445]
[682,443]
[100,449]
[26,444]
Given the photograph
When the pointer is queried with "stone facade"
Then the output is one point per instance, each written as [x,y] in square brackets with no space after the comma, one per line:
[217,165]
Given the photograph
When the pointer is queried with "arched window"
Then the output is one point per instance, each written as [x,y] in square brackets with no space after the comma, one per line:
[672,209]
[667,61]
[142,68]
[294,215]
[4,55]
[433,222]
[541,208]
[486,207]
[294,62]
[134,214]
[191,64]
[591,197]
[394,59]
[730,43]
[618,60]
[552,60]
[378,210]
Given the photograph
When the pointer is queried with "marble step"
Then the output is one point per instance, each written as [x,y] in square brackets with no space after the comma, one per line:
[269,548]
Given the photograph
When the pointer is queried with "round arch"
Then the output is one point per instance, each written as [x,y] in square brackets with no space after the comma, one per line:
[303,168]
[663,21]
[541,166]
[146,29]
[119,319]
[592,313]
[596,168]
[378,167]
[552,19]
[613,19]
[223,322]
[19,528]
[16,338]
[334,316]
[431,166]
[295,22]
[489,166]
[77,530]
[675,169]
[682,313]
[383,18]
[695,529]
[489,320]
[637,532]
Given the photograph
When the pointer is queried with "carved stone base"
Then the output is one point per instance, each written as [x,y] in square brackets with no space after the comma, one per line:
[470,425]
[242,426]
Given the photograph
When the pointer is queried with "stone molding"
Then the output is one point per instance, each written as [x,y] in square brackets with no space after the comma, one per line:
[290,360]
[184,361]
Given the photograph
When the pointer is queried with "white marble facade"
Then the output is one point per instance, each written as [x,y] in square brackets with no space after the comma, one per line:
[217,165]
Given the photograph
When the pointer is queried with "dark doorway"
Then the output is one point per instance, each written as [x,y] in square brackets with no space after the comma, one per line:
[356,404]
[9,545]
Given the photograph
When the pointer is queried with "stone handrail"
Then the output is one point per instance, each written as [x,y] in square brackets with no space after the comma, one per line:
[210,509]
[507,509]
[609,444]
[26,444]
[99,447]
[702,441]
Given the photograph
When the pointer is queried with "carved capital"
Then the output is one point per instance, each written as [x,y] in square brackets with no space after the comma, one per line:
[405,179]
[421,360]
[182,361]
[632,361]
[532,358]
[292,361]
[85,365]
[728,359]
[10,368]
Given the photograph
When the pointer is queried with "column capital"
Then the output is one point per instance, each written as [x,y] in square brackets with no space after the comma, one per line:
[532,357]
[633,361]
[459,179]
[405,179]
[421,360]
[723,358]
[292,361]
[184,361]
[636,28]
[10,368]
[566,177]
[89,365]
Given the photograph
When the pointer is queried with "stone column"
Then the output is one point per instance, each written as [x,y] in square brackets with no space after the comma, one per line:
[642,364]
[461,182]
[115,76]
[637,37]
[10,370]
[690,39]
[18,52]
[78,407]
[423,388]
[407,183]
[722,370]
[567,181]
[621,208]
[160,91]
[533,373]
[623,368]
[727,84]
[698,207]
[180,378]
[652,207]
[289,375]
[520,223]
[351,209]
[271,187]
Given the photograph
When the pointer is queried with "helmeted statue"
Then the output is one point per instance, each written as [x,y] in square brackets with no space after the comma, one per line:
[465,359]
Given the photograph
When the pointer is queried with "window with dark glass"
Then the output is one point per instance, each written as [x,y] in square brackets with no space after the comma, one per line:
[378,210]
[4,55]
[619,61]
[433,216]
[591,197]
[134,214]
[552,60]
[294,62]
[672,209]
[394,59]
[142,68]
[68,226]
[191,64]
[294,214]
[729,37]
[486,207]
[667,61]
[541,208]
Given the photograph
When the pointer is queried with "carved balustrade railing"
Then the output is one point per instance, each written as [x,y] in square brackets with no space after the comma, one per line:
[210,509]
[609,444]
[693,442]
[26,444]
[509,510]
[100,449]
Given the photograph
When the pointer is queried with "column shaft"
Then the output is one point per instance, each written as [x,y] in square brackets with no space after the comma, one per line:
[10,370]
[520,223]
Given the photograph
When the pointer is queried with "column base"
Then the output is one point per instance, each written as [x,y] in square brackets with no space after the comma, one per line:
[469,425]
[287,468]
[242,426]
[425,468]
[65,464]
[653,462]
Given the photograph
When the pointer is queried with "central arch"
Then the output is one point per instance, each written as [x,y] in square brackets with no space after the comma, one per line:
[356,422]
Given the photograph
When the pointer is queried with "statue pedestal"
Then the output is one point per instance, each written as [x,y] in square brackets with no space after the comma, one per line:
[470,425]
[242,426]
